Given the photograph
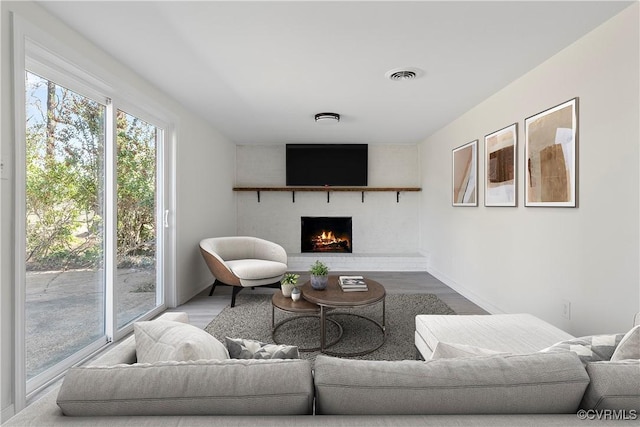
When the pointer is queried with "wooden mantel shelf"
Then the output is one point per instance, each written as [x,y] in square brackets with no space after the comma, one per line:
[328,190]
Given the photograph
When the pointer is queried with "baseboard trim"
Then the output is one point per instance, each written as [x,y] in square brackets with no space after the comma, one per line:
[7,413]
[465,291]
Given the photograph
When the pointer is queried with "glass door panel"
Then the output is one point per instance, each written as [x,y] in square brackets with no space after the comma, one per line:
[65,285]
[137,286]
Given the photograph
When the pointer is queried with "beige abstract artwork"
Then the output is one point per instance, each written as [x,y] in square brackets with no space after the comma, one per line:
[500,167]
[465,175]
[551,156]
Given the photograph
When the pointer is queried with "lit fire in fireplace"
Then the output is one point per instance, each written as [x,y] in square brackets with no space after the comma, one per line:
[326,234]
[327,241]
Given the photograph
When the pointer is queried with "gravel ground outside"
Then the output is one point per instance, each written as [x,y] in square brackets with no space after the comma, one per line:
[65,310]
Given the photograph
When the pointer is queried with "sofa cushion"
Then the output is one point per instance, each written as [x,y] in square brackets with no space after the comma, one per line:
[614,385]
[509,333]
[251,349]
[629,347]
[446,350]
[165,340]
[222,387]
[593,348]
[532,383]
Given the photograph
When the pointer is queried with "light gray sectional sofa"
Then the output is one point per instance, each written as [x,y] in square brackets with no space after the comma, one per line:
[518,384]
[503,386]
[500,333]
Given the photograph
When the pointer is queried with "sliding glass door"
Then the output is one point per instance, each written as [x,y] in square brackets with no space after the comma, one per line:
[64,260]
[93,229]
[138,287]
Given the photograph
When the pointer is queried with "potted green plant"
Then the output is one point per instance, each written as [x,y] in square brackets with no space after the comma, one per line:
[319,275]
[288,282]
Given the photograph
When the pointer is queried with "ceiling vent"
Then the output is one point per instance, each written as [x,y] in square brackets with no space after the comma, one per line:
[401,74]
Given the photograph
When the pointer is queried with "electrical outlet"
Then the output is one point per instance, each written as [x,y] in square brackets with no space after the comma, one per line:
[566,309]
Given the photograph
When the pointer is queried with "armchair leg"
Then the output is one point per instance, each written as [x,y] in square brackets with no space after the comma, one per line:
[213,287]
[236,291]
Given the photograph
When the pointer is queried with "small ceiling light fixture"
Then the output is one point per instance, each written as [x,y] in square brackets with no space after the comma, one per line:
[403,74]
[329,118]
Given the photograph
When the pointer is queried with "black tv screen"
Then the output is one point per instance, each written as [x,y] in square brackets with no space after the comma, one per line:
[327,164]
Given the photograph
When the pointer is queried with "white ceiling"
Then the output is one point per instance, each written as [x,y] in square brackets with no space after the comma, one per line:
[260,71]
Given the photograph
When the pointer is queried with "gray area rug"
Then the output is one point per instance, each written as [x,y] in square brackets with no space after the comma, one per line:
[251,318]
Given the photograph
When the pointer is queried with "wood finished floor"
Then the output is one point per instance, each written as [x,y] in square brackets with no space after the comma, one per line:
[202,308]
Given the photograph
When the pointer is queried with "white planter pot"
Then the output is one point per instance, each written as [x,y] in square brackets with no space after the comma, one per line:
[286,289]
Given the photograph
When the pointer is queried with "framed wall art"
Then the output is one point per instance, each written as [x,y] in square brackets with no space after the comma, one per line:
[551,143]
[500,167]
[465,175]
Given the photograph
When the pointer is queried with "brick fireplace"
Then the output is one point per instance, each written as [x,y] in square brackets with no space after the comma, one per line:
[326,234]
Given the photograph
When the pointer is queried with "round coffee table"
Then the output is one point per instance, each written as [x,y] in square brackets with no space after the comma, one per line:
[303,309]
[333,297]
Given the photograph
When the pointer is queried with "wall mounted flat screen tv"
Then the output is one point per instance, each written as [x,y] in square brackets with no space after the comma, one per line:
[327,164]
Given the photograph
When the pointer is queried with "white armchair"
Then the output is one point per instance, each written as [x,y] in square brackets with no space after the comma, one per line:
[243,261]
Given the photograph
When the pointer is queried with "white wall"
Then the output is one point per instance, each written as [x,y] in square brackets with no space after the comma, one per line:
[530,259]
[206,205]
[204,166]
[3,371]
[380,225]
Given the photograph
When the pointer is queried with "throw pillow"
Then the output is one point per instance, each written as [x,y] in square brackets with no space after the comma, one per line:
[445,350]
[629,347]
[593,348]
[251,349]
[165,340]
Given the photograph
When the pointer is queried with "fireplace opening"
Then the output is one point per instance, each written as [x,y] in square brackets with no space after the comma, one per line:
[326,234]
